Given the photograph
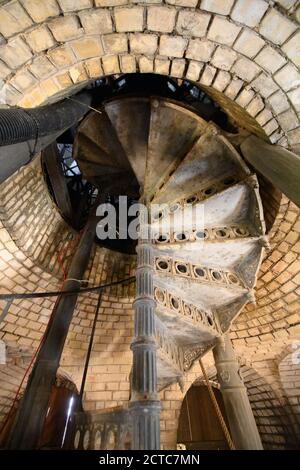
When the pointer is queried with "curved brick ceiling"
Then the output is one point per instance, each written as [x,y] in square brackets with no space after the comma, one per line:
[249,51]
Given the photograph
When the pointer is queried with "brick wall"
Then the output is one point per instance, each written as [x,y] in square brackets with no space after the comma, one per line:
[240,51]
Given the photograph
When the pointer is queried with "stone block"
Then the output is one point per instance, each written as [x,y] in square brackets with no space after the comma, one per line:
[96,21]
[23,80]
[265,85]
[172,46]
[127,63]
[223,31]
[222,81]
[78,73]
[129,19]
[249,12]
[39,39]
[270,59]
[145,65]
[13,19]
[50,88]
[183,3]
[178,68]
[249,43]
[193,71]
[110,3]
[65,28]
[191,23]
[294,96]
[160,18]
[75,5]
[288,120]
[115,43]
[224,58]
[245,97]
[87,47]
[276,27]
[93,67]
[62,56]
[110,64]
[292,48]
[4,71]
[222,7]
[162,66]
[245,69]
[279,102]
[41,67]
[40,13]
[255,106]
[143,43]
[288,77]
[200,49]
[15,53]
[208,75]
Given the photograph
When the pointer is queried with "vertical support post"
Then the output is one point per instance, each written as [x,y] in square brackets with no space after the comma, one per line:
[238,409]
[145,406]
[33,407]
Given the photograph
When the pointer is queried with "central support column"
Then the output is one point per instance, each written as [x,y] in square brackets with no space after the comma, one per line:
[145,406]
[238,409]
[34,404]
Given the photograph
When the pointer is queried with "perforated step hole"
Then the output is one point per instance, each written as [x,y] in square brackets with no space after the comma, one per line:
[191,200]
[216,276]
[232,279]
[201,235]
[181,237]
[159,296]
[162,265]
[209,191]
[182,268]
[159,215]
[199,314]
[222,233]
[187,310]
[161,238]
[200,273]
[241,231]
[175,303]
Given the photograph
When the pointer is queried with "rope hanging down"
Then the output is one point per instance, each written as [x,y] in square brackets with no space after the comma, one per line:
[217,409]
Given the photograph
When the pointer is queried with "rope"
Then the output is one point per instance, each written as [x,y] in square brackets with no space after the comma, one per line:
[217,409]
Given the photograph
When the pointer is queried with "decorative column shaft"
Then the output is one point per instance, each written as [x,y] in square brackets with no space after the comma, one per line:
[145,406]
[238,409]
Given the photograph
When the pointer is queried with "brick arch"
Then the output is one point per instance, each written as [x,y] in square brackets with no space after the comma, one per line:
[247,51]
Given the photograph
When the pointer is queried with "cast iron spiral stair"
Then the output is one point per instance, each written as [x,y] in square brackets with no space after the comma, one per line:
[206,269]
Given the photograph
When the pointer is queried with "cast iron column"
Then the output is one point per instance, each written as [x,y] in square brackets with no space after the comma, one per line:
[145,406]
[238,409]
[34,404]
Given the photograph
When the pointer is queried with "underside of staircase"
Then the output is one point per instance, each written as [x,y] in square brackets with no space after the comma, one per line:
[157,150]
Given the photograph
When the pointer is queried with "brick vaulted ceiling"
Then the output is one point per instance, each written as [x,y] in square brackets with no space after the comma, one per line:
[245,54]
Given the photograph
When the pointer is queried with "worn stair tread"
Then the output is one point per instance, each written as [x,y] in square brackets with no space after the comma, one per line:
[130,118]
[173,131]
[207,294]
[210,158]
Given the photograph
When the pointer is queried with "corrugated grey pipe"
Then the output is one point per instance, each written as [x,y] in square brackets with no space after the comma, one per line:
[25,132]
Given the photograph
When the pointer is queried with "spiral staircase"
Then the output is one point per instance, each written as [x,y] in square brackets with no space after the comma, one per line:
[205,271]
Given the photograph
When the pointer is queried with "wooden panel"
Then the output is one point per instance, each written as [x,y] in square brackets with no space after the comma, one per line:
[199,427]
